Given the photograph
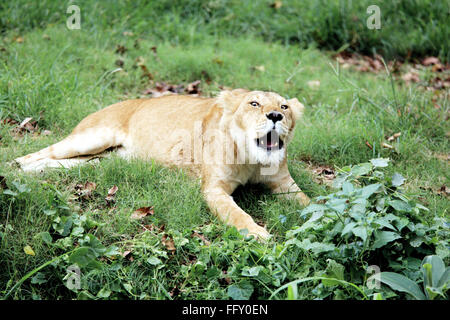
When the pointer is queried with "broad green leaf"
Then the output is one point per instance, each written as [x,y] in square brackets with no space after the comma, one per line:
[347,188]
[400,205]
[434,272]
[77,231]
[360,232]
[334,271]
[154,261]
[399,282]
[83,256]
[445,278]
[384,237]
[10,192]
[241,291]
[338,205]
[315,247]
[361,169]
[397,179]
[50,212]
[39,278]
[104,293]
[367,191]
[348,227]
[21,187]
[251,272]
[380,162]
[312,208]
[401,223]
[46,237]
[91,241]
[383,221]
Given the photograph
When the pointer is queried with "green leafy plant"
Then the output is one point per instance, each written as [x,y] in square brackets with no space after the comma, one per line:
[435,277]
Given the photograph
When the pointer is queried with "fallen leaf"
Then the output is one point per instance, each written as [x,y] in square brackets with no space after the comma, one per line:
[145,72]
[387,146]
[19,39]
[438,68]
[85,190]
[127,33]
[394,136]
[193,87]
[46,37]
[444,191]
[276,4]
[411,76]
[142,212]
[120,49]
[195,234]
[110,198]
[168,243]
[127,255]
[259,68]
[28,250]
[430,60]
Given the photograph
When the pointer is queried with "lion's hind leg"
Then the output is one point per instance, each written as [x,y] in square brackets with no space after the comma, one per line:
[75,149]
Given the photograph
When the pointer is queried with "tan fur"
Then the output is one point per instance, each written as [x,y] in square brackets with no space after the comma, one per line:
[203,135]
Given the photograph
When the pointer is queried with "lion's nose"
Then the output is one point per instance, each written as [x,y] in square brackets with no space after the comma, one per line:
[274,116]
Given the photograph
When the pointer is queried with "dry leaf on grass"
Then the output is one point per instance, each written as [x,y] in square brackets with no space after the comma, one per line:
[168,243]
[394,136]
[120,49]
[195,234]
[430,61]
[276,4]
[85,190]
[444,191]
[142,213]
[162,89]
[110,198]
[28,250]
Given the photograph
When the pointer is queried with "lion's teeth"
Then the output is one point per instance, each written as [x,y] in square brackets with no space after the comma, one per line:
[262,142]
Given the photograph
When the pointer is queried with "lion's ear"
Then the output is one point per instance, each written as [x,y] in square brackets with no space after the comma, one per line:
[231,99]
[297,108]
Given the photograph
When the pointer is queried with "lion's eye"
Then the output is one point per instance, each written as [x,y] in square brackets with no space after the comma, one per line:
[254,104]
[284,107]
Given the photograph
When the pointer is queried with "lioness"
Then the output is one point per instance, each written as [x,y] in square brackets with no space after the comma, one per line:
[238,137]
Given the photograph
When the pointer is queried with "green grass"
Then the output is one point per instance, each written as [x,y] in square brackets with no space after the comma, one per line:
[408,28]
[61,80]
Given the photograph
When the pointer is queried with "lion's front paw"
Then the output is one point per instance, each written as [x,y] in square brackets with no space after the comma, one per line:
[258,232]
[303,199]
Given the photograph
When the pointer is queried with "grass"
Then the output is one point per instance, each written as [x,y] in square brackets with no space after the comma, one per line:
[58,76]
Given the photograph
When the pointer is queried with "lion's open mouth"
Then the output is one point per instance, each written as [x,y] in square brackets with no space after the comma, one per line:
[270,141]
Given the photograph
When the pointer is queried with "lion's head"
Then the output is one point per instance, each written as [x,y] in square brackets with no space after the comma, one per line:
[261,123]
